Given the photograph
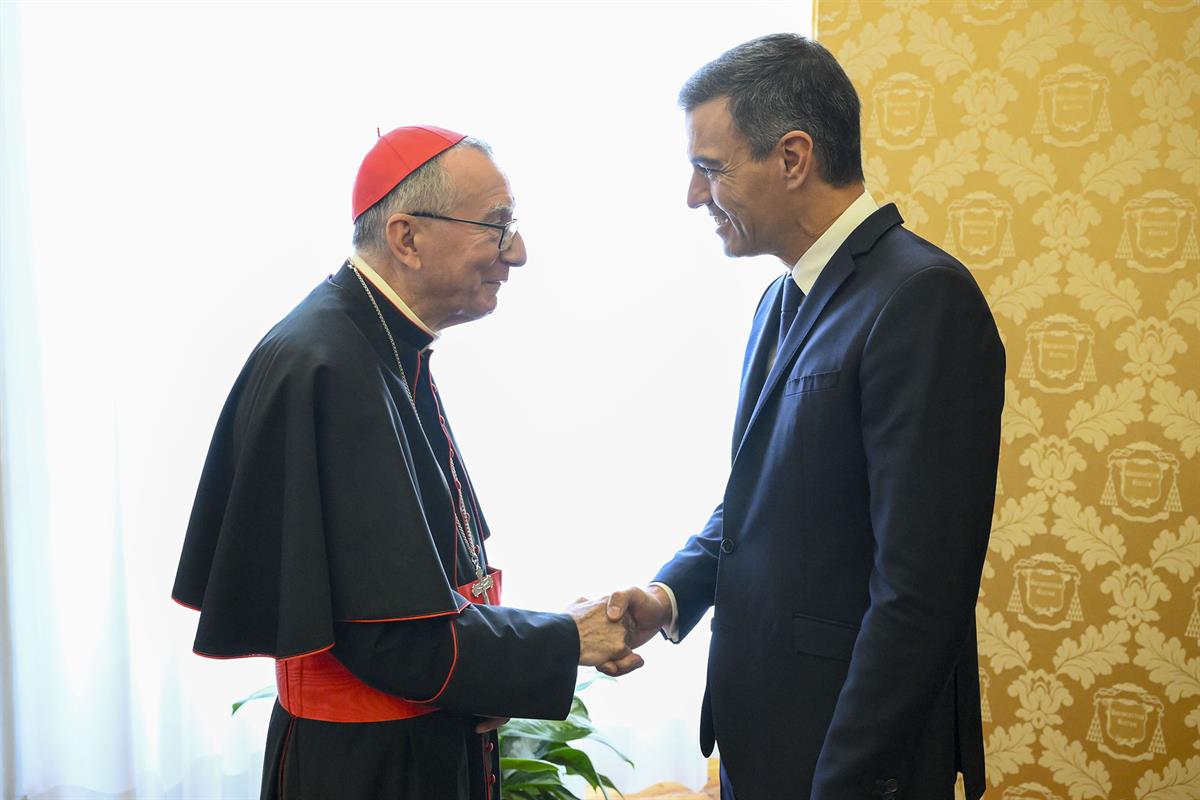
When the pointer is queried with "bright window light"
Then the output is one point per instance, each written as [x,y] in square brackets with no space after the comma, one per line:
[187,171]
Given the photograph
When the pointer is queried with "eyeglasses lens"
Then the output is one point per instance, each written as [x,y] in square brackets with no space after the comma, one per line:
[509,233]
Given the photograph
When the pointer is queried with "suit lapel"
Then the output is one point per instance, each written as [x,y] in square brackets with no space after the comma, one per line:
[832,276]
[764,331]
[860,241]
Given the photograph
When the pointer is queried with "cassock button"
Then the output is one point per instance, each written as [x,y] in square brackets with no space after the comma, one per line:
[491,778]
[727,546]
[890,787]
[489,747]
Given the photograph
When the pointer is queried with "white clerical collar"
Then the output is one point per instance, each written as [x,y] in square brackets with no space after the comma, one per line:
[390,293]
[809,266]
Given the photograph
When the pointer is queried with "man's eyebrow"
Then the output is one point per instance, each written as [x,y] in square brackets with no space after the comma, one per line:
[705,161]
[500,211]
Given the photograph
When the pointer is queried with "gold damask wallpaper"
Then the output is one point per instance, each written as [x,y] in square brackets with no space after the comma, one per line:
[1054,147]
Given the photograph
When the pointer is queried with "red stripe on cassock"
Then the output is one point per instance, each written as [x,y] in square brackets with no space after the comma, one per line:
[417,376]
[262,655]
[287,739]
[203,654]
[453,664]
[418,616]
[486,760]
[185,605]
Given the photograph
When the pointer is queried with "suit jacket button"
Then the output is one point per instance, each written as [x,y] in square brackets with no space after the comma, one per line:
[727,546]
[890,787]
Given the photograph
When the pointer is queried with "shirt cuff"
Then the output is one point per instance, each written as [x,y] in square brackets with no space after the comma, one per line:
[670,631]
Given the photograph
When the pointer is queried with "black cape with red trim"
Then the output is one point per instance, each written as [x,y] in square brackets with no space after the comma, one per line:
[318,492]
[324,520]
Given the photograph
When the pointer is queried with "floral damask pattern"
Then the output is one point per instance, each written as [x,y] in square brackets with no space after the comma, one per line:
[1054,147]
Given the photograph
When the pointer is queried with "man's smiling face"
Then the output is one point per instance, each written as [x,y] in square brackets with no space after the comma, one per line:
[739,192]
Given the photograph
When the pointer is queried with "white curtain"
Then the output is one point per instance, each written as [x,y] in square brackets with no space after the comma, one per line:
[175,177]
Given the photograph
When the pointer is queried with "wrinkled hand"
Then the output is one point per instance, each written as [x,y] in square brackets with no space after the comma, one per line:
[601,638]
[645,610]
[489,723]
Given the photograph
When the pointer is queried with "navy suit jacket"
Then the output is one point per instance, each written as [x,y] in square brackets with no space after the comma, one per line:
[844,561]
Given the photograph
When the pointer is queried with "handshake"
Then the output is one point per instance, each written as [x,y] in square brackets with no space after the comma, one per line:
[611,627]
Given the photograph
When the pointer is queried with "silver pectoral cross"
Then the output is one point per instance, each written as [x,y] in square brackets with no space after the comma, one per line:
[482,585]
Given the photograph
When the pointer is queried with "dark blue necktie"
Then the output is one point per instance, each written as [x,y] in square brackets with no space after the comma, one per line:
[787,311]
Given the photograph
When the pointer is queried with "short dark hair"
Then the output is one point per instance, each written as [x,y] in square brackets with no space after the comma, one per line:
[785,82]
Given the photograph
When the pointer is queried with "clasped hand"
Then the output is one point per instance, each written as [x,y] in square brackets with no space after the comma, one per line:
[611,627]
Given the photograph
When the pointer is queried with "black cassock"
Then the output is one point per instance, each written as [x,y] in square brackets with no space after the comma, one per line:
[325,521]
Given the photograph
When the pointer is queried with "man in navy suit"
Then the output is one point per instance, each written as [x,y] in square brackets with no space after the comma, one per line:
[843,562]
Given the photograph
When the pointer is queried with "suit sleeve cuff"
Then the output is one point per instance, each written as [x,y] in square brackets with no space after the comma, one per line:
[671,631]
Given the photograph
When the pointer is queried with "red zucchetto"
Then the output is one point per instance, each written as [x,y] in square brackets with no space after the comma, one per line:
[394,157]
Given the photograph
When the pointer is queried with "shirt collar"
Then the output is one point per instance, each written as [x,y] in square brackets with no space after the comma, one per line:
[390,293]
[809,266]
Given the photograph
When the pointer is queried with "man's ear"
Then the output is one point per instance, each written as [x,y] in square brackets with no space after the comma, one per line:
[402,241]
[796,148]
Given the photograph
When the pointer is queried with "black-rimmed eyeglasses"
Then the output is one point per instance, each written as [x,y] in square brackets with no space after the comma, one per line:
[508,230]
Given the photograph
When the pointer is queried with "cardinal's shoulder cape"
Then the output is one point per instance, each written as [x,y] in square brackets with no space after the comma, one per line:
[310,508]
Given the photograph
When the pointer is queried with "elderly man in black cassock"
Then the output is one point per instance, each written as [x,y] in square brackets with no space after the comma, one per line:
[336,528]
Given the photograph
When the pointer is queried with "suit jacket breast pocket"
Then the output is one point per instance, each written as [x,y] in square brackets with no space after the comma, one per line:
[813,382]
[824,638]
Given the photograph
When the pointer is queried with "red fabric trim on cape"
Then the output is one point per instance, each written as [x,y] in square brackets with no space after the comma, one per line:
[319,687]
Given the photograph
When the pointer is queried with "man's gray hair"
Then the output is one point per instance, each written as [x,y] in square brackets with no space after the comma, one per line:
[427,189]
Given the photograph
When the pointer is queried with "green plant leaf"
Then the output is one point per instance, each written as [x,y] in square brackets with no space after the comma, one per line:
[604,779]
[599,676]
[540,791]
[532,752]
[578,709]
[263,693]
[549,730]
[601,740]
[531,765]
[578,763]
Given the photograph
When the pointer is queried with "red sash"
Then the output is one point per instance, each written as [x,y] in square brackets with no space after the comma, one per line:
[319,687]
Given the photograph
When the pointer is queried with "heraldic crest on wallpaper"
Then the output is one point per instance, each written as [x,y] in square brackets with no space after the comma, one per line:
[1054,147]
